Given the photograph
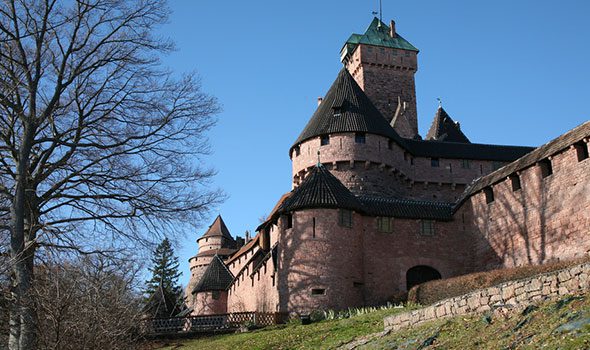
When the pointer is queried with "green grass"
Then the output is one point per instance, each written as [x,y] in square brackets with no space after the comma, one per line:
[318,335]
[537,327]
[534,329]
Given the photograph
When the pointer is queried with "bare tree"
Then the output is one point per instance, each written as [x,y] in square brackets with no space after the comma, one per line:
[99,145]
[87,303]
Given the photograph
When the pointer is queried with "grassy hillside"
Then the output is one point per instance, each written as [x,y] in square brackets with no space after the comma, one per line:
[563,324]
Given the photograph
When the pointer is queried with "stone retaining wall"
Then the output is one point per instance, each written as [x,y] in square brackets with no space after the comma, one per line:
[510,295]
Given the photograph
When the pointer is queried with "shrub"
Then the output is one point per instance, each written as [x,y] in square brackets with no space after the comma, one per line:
[433,291]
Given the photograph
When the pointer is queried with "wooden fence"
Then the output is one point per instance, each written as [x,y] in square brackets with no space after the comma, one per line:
[210,323]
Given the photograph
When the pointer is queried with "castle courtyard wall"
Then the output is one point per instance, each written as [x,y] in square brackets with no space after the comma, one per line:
[381,166]
[389,255]
[547,219]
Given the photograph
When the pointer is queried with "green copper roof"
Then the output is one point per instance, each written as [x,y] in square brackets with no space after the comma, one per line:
[378,35]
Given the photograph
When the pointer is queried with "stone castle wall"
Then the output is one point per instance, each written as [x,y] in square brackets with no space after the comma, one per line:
[385,74]
[380,166]
[210,303]
[254,292]
[547,219]
[320,262]
[388,256]
[501,298]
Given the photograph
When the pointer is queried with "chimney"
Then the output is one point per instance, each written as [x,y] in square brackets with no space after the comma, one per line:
[392,29]
[320,100]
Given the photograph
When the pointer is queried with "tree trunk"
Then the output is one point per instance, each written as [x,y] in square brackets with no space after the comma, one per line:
[23,318]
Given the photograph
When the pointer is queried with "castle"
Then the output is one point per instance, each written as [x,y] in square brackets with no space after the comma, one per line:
[376,209]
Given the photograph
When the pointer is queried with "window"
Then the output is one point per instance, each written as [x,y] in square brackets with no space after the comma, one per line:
[359,137]
[581,150]
[515,180]
[383,224]
[394,52]
[297,151]
[325,140]
[318,291]
[215,294]
[489,193]
[390,144]
[407,53]
[313,227]
[337,111]
[434,162]
[427,227]
[289,219]
[546,168]
[465,163]
[345,218]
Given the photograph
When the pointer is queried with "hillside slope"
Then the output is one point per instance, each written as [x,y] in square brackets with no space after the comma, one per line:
[561,324]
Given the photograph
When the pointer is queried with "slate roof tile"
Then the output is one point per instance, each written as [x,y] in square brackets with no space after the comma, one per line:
[443,128]
[216,277]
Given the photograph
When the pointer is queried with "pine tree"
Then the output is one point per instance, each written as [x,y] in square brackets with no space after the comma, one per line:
[163,294]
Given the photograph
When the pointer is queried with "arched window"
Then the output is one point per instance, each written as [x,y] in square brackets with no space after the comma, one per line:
[420,274]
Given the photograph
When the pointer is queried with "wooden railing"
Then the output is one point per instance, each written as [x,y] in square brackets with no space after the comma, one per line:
[208,323]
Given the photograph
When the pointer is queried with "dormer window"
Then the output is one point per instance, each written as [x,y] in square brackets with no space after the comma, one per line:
[359,137]
[337,111]
[324,140]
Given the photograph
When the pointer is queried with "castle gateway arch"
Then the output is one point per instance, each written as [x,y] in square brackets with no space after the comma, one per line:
[420,274]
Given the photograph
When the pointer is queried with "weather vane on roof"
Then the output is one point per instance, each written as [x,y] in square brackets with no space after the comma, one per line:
[380,12]
[439,101]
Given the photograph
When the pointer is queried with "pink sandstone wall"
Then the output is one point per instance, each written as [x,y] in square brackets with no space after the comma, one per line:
[257,292]
[384,74]
[330,259]
[547,219]
[388,256]
[382,167]
[205,303]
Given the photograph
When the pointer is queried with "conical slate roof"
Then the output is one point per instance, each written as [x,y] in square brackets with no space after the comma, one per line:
[320,189]
[443,128]
[217,229]
[216,277]
[346,108]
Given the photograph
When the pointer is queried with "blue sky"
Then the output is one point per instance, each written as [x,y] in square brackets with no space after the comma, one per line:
[512,72]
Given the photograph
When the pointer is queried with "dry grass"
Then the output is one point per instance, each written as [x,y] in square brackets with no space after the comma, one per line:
[433,291]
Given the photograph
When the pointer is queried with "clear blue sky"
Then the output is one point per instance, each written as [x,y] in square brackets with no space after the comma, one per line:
[512,72]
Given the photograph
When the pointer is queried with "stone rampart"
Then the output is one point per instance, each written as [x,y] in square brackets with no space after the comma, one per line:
[509,295]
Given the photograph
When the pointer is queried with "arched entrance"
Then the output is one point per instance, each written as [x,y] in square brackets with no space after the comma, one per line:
[420,274]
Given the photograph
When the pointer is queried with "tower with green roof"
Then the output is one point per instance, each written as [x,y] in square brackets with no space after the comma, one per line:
[383,63]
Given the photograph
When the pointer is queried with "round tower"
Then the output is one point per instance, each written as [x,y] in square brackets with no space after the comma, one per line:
[216,241]
[353,140]
[210,293]
[321,260]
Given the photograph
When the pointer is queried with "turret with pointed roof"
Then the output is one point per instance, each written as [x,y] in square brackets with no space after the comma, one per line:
[346,108]
[443,128]
[217,238]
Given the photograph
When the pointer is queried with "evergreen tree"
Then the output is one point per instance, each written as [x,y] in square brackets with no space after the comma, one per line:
[163,294]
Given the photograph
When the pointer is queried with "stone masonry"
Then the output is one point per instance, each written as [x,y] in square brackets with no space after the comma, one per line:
[510,295]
